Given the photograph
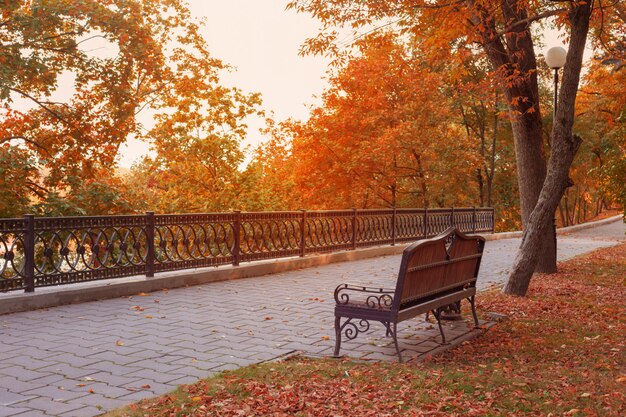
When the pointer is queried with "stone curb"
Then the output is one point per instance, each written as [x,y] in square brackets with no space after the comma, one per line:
[46,297]
[560,231]
[583,226]
[119,287]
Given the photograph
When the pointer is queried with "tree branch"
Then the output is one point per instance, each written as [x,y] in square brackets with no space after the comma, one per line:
[25,139]
[528,20]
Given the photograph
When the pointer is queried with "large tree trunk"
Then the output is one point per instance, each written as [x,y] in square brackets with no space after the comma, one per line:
[515,59]
[531,173]
[564,148]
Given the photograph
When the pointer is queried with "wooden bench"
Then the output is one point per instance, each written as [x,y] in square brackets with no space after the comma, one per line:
[434,273]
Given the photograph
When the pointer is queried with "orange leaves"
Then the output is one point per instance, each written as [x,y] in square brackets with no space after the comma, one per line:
[376,140]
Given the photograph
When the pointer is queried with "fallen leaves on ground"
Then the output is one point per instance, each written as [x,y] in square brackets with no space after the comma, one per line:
[561,351]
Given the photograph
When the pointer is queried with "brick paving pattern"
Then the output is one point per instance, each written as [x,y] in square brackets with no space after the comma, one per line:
[84,359]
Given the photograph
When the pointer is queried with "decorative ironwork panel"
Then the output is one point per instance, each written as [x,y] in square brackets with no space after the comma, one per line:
[37,252]
[270,235]
[183,241]
[76,249]
[12,256]
[374,227]
[438,221]
[410,224]
[463,220]
[484,220]
[328,231]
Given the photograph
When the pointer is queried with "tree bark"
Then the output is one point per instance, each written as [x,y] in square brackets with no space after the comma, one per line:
[564,148]
[514,58]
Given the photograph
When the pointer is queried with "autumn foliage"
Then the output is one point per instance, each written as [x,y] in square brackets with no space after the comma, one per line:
[413,116]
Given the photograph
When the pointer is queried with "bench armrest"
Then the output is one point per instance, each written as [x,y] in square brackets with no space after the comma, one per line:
[377,298]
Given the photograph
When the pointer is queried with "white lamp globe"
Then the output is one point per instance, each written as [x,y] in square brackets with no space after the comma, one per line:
[555,57]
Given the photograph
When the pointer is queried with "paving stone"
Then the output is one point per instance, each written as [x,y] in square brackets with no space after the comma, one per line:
[8,398]
[154,376]
[107,390]
[134,397]
[112,368]
[54,392]
[188,380]
[22,374]
[67,371]
[98,401]
[73,360]
[49,406]
[83,412]
[25,412]
[151,386]
[107,378]
[6,411]
[14,385]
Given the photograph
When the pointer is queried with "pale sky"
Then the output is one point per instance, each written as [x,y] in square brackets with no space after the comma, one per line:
[261,40]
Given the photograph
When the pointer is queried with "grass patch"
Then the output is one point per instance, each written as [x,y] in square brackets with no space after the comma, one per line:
[562,351]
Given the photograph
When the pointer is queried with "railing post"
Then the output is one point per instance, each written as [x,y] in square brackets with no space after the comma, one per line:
[393,227]
[474,219]
[29,252]
[303,233]
[150,256]
[236,237]
[452,217]
[425,222]
[354,228]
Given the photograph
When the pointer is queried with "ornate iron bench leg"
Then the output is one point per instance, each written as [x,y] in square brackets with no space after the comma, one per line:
[394,333]
[437,314]
[473,304]
[337,335]
[395,340]
[389,333]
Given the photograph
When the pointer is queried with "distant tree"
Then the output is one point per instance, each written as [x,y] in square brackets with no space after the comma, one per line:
[379,139]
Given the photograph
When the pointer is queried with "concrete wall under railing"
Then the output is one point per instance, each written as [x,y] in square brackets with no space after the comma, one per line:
[46,297]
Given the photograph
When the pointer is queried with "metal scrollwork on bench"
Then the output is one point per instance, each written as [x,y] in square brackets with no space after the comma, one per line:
[381,301]
[378,298]
[351,329]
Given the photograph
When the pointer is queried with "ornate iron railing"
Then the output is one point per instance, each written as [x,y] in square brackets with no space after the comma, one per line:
[45,251]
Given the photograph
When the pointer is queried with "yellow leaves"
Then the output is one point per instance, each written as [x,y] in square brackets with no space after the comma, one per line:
[119,343]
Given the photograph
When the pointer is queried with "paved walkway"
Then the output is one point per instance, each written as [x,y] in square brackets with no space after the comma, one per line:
[81,360]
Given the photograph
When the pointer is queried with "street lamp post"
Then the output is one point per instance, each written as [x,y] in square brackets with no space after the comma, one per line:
[555,58]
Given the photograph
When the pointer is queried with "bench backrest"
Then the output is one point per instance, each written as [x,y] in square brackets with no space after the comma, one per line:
[433,267]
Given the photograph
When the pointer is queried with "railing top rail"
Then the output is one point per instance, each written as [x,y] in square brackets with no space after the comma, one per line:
[12,225]
[70,218]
